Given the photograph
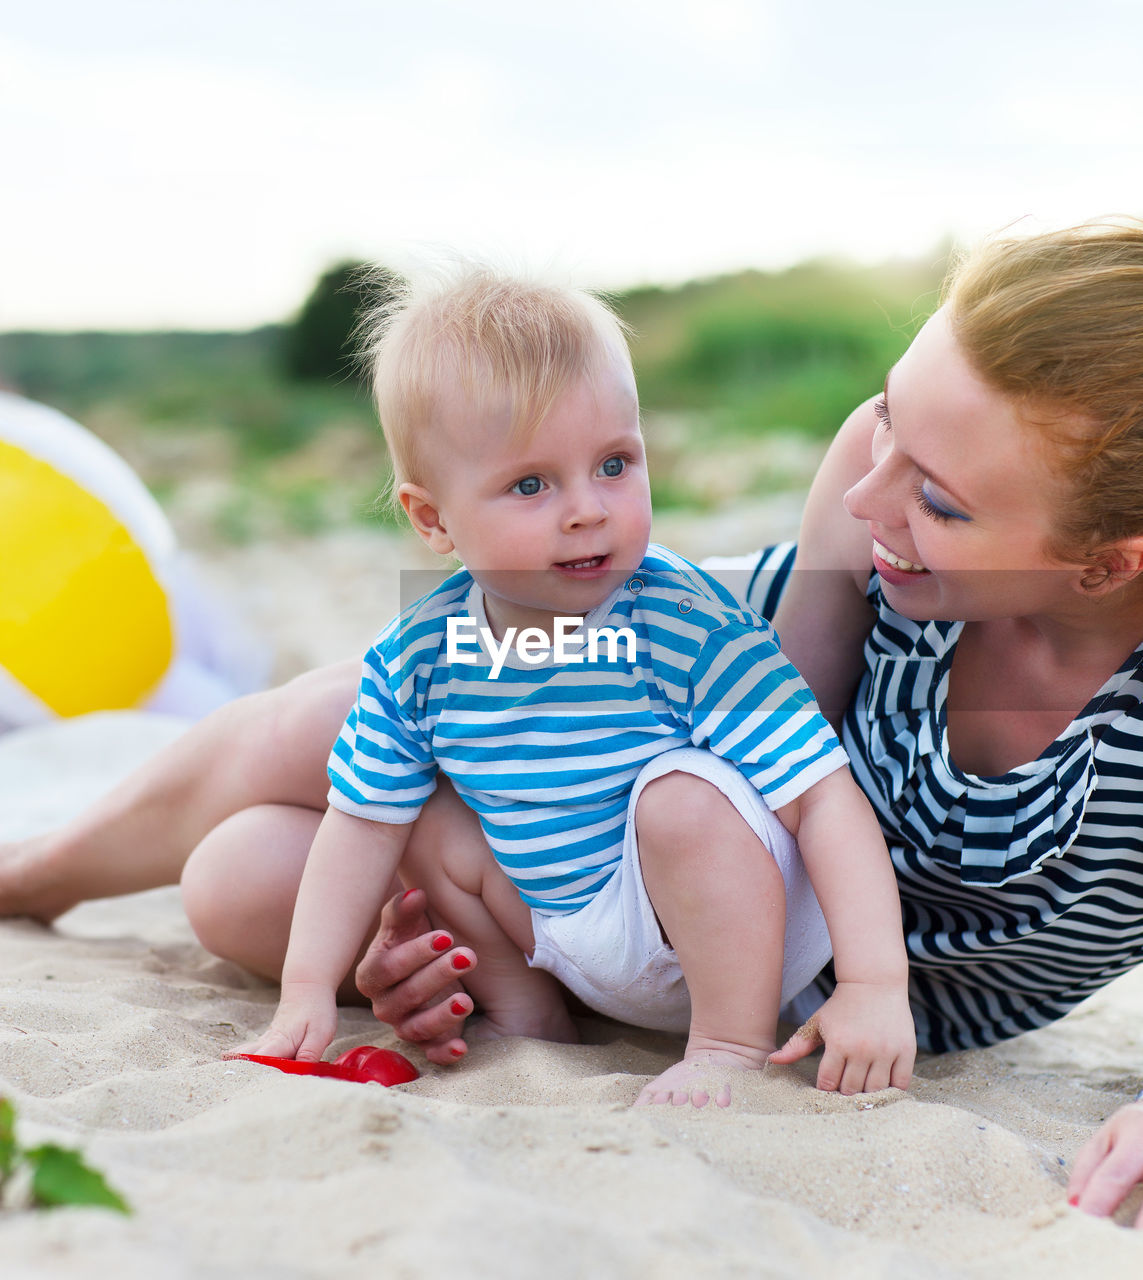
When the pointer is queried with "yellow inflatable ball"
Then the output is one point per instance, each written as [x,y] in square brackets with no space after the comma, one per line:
[87,621]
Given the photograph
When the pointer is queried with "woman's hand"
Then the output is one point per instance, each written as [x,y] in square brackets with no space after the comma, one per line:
[1109,1164]
[410,974]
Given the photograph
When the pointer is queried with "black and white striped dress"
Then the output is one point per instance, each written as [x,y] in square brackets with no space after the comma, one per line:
[1022,894]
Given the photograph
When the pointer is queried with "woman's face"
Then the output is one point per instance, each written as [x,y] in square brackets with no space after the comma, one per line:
[961,497]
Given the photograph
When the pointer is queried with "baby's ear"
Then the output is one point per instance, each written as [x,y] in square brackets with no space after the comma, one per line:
[425,517]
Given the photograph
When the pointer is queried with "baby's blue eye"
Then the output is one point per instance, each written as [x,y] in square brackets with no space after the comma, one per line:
[614,467]
[528,487]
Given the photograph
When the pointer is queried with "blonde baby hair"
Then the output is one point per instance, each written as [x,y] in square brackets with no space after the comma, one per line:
[1055,321]
[499,340]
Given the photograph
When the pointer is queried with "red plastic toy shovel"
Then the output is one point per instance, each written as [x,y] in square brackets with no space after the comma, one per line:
[364,1065]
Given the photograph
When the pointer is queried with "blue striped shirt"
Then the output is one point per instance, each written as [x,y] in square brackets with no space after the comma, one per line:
[546,754]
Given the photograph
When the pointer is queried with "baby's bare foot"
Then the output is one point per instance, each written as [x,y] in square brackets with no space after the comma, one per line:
[704,1075]
[534,1008]
[536,1023]
[528,1003]
[26,882]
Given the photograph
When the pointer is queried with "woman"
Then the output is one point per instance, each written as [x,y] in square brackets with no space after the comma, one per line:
[997,482]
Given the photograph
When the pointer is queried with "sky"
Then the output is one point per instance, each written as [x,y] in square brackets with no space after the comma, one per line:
[181,165]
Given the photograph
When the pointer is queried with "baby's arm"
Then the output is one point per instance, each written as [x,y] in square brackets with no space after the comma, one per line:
[351,863]
[866,1025]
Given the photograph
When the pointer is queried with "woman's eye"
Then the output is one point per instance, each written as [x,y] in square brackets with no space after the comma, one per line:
[933,510]
[613,467]
[928,506]
[881,409]
[528,487]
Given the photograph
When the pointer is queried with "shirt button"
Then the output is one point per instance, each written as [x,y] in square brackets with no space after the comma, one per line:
[686,605]
[635,585]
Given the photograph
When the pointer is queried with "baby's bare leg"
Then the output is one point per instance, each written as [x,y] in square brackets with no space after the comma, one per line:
[268,748]
[472,898]
[721,902]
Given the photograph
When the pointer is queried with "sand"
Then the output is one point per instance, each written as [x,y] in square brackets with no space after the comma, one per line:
[526,1159]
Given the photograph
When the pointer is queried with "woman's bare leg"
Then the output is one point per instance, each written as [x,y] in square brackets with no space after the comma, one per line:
[267,748]
[240,884]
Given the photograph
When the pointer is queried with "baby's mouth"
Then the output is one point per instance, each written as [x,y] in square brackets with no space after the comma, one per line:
[593,562]
[898,562]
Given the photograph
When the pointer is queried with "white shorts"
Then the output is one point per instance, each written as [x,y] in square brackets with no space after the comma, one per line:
[611,953]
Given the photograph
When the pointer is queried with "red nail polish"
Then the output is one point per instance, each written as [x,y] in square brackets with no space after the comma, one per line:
[461,962]
[442,942]
[1073,1201]
[457,1053]
[407,893]
[457,1008]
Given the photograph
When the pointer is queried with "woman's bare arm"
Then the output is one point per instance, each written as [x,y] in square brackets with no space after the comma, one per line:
[824,617]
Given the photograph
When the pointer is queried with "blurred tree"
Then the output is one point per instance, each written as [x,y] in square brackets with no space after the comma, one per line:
[319,343]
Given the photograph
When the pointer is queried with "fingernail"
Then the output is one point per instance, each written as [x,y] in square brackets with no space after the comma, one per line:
[407,894]
[1073,1201]
[457,1008]
[461,962]
[457,1053]
[442,942]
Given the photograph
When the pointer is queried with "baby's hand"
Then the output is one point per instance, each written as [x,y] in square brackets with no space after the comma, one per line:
[303,1027]
[870,1042]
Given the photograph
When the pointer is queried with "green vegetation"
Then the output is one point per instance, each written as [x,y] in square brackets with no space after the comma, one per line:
[278,455]
[55,1176]
[760,352]
[278,418]
[231,381]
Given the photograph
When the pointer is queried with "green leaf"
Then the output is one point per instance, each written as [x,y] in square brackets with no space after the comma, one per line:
[61,1177]
[7,1138]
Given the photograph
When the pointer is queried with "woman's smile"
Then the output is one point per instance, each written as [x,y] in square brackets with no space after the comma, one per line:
[895,561]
